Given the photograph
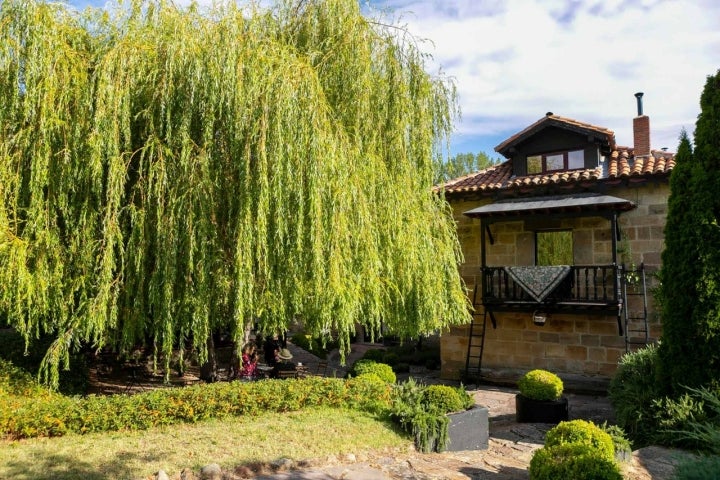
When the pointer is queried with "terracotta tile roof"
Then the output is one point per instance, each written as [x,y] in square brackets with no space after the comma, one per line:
[550,120]
[620,165]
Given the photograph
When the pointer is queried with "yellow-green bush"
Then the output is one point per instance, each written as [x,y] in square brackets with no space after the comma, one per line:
[582,432]
[58,415]
[574,461]
[540,385]
[382,370]
[443,399]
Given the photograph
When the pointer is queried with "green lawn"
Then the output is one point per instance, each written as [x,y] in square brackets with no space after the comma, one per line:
[307,434]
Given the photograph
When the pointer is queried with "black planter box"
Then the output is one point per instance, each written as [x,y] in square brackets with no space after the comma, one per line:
[528,410]
[468,430]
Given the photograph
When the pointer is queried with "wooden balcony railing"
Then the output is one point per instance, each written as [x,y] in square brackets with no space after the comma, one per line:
[584,287]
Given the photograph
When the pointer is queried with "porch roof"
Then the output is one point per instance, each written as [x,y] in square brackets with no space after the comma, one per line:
[588,203]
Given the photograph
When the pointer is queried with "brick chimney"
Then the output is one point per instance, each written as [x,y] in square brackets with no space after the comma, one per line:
[641,130]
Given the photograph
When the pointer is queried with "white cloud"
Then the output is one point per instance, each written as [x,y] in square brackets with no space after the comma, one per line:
[584,59]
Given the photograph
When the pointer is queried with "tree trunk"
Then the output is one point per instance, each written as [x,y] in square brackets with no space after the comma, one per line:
[208,370]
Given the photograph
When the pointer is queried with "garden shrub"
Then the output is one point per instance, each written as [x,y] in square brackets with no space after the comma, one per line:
[15,381]
[617,434]
[391,358]
[692,421]
[429,431]
[428,427]
[540,385]
[574,461]
[584,433]
[385,372]
[401,367]
[71,382]
[432,363]
[407,395]
[633,390]
[56,415]
[429,358]
[698,468]
[374,354]
[442,399]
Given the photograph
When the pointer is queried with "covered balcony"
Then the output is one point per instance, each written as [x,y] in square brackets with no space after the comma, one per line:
[586,288]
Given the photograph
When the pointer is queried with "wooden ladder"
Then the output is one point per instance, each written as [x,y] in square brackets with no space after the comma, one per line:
[476,340]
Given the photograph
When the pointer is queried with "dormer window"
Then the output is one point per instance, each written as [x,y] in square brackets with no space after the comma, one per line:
[551,162]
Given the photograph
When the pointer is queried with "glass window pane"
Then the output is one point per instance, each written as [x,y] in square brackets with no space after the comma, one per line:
[576,159]
[534,164]
[554,162]
[554,248]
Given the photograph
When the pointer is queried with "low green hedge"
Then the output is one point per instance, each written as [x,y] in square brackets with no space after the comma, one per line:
[56,415]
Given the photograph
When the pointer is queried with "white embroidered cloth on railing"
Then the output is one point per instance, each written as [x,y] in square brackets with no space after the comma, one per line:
[538,281]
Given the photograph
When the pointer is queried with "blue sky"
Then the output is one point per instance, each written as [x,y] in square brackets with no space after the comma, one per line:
[514,60]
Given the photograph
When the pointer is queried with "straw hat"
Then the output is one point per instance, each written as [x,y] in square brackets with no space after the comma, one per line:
[285,354]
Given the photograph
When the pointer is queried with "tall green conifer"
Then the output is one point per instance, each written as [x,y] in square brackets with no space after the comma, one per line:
[690,291]
[165,172]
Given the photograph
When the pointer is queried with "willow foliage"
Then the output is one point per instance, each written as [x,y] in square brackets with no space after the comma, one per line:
[165,172]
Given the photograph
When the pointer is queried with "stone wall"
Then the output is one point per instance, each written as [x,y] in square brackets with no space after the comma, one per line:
[583,344]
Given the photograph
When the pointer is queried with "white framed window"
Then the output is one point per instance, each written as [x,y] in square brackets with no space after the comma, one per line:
[555,161]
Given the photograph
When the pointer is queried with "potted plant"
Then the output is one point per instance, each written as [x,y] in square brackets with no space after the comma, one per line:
[540,399]
[440,417]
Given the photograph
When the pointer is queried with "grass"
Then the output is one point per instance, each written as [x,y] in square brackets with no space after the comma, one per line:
[307,434]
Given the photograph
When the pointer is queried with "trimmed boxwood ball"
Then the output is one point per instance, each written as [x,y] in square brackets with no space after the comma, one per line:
[382,370]
[540,385]
[581,432]
[442,399]
[572,461]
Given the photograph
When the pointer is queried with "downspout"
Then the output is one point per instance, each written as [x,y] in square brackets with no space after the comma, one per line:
[483,226]
[618,271]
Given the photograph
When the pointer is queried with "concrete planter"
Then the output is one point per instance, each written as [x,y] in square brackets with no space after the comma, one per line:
[468,430]
[528,410]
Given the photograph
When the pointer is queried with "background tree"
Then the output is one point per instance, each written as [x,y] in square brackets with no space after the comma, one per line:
[690,292]
[462,164]
[166,172]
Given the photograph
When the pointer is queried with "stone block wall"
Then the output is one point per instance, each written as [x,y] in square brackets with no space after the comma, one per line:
[583,344]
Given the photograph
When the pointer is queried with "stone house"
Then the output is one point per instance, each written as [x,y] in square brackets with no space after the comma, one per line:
[561,243]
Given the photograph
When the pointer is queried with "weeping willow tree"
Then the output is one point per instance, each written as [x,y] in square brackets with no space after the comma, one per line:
[166,172]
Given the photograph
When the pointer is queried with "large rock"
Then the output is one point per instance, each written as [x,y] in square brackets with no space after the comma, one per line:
[654,463]
[211,472]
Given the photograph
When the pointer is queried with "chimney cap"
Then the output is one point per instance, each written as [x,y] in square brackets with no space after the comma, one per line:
[639,96]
